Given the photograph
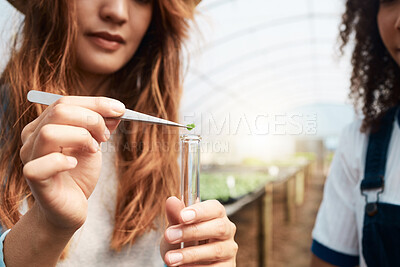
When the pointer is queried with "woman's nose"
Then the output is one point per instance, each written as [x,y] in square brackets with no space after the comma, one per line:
[115,11]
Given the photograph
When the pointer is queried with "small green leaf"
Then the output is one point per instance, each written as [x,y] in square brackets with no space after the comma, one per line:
[190,126]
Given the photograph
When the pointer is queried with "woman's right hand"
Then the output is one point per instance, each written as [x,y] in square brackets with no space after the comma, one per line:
[62,157]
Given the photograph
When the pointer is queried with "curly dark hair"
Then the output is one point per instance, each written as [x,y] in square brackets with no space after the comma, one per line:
[375,83]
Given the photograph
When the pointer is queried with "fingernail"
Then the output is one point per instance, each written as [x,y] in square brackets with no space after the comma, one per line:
[188,215]
[117,106]
[174,234]
[72,161]
[175,257]
[96,146]
[107,133]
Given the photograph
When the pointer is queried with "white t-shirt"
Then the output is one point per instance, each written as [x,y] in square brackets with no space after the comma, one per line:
[339,223]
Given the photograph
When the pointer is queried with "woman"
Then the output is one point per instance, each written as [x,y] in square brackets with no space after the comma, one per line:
[358,222]
[128,50]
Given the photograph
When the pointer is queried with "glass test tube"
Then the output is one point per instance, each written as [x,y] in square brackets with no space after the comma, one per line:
[190,170]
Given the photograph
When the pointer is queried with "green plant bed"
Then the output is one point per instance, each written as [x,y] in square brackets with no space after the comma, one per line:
[297,159]
[215,185]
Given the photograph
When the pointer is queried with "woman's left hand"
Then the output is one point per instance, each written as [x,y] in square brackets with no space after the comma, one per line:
[205,222]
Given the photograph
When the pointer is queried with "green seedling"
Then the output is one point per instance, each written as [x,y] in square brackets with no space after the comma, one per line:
[190,126]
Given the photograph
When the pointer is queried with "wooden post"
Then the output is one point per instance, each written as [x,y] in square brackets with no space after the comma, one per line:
[266,224]
[307,169]
[290,198]
[299,180]
[312,170]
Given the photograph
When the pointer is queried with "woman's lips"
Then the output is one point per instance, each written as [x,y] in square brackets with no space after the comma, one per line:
[106,41]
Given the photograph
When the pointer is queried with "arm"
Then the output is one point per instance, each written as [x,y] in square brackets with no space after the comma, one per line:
[62,161]
[317,262]
[33,242]
[335,235]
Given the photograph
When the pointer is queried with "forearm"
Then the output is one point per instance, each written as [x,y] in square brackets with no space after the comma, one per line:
[317,262]
[33,242]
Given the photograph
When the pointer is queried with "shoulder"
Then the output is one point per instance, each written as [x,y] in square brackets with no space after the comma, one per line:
[351,133]
[347,165]
[353,142]
[335,233]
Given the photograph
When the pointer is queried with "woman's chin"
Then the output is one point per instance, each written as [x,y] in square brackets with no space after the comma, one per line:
[101,68]
[100,63]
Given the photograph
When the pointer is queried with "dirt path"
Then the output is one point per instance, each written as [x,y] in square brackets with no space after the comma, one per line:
[291,242]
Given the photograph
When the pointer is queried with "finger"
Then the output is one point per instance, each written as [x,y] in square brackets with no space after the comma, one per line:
[211,252]
[227,263]
[106,107]
[54,137]
[173,207]
[79,117]
[40,175]
[30,127]
[28,130]
[219,229]
[47,166]
[165,246]
[203,211]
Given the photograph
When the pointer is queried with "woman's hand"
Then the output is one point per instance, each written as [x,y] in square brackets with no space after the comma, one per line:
[62,158]
[205,222]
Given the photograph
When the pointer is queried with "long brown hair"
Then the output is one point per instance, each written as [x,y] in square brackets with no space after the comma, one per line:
[375,80]
[43,58]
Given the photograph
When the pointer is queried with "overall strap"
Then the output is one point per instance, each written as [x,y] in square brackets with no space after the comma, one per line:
[375,164]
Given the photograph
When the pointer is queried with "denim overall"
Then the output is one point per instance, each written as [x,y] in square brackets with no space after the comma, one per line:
[381,231]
